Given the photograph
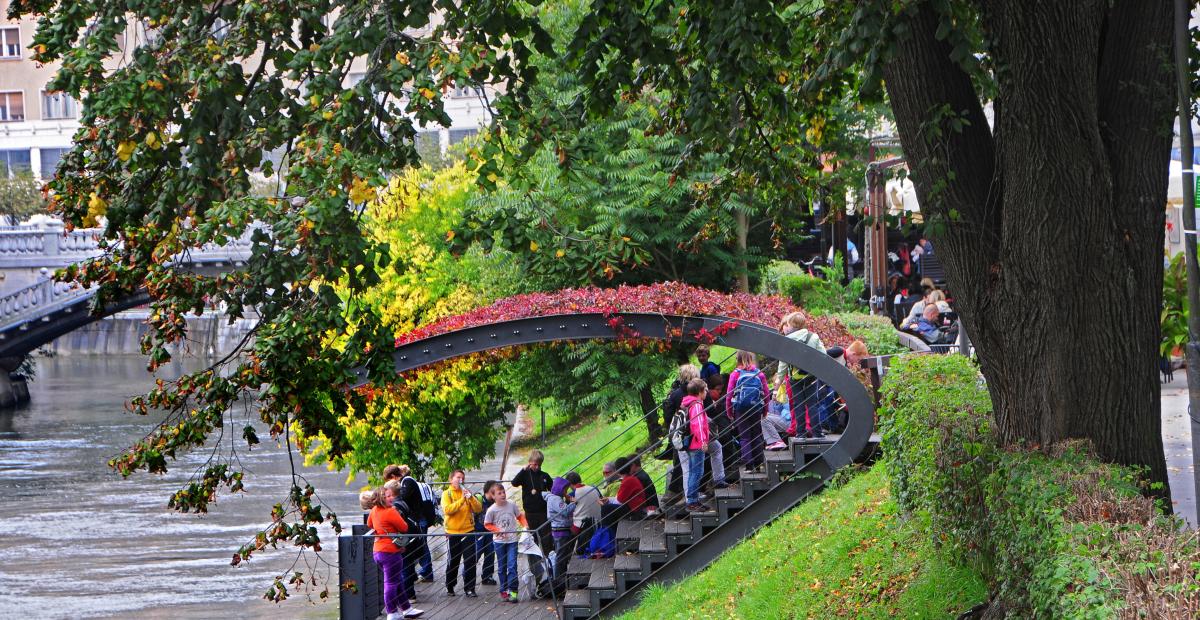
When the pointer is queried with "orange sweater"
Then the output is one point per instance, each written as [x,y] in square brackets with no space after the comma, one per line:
[386,521]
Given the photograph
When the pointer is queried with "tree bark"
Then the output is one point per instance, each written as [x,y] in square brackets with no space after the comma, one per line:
[743,268]
[654,427]
[1050,225]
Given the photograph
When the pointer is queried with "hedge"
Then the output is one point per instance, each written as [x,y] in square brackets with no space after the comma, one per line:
[877,332]
[1055,532]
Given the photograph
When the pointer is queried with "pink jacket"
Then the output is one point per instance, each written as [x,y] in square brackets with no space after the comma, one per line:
[697,421]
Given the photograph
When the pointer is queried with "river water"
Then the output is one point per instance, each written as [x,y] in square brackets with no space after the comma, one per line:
[77,540]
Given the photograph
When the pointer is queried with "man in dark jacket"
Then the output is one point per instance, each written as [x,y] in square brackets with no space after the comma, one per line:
[535,484]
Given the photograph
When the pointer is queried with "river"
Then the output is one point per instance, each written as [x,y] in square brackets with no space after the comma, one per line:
[77,540]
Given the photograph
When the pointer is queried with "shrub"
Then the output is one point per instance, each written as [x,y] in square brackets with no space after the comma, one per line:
[876,332]
[773,272]
[935,426]
[1056,533]
[823,295]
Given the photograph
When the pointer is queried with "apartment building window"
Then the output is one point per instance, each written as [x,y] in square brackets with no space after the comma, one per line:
[57,106]
[50,158]
[460,91]
[458,135]
[10,42]
[13,161]
[12,106]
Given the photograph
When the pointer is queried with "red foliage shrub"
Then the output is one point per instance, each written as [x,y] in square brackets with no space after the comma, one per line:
[660,298]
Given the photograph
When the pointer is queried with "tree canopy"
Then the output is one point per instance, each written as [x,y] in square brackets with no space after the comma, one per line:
[1048,217]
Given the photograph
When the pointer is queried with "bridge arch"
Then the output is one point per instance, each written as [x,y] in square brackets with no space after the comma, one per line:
[670,327]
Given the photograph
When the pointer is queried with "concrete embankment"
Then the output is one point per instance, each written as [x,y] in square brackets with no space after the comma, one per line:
[121,334]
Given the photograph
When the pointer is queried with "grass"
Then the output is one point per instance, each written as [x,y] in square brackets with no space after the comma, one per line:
[571,447]
[845,553]
[558,421]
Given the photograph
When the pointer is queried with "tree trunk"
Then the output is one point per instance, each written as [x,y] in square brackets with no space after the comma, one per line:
[1050,226]
[743,231]
[653,425]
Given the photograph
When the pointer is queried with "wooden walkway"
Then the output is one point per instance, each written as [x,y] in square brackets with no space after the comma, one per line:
[432,598]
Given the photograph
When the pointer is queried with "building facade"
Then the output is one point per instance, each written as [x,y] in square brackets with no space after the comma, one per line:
[37,125]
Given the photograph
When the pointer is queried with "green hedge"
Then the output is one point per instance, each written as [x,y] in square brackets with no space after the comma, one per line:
[1056,533]
[935,425]
[877,332]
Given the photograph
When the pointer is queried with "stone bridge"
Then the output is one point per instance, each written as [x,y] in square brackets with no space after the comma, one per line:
[36,314]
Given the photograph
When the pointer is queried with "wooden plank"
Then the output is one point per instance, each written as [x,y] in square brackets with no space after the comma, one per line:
[629,562]
[653,538]
[602,574]
[683,526]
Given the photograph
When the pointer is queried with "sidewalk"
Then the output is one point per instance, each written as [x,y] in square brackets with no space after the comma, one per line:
[1177,443]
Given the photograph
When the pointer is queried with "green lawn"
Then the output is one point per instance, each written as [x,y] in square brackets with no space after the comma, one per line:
[844,553]
[569,449]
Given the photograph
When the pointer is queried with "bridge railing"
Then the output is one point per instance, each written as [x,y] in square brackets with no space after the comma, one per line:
[48,241]
[17,305]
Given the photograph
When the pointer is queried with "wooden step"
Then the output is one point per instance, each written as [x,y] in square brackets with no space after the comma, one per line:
[577,604]
[579,572]
[653,538]
[678,527]
[628,562]
[602,574]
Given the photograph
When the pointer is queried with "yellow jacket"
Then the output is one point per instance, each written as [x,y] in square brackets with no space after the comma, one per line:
[459,507]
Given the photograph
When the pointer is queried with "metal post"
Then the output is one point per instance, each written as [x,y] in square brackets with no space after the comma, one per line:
[1187,162]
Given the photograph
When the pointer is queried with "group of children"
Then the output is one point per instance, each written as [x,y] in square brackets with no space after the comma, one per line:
[560,514]
[729,420]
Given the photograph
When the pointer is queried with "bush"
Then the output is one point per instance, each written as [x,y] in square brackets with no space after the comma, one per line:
[773,272]
[876,332]
[822,296]
[935,426]
[1056,533]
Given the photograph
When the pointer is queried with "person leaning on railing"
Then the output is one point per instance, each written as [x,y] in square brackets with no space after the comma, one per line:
[385,521]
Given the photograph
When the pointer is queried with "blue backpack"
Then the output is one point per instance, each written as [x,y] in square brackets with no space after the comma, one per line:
[747,391]
[603,545]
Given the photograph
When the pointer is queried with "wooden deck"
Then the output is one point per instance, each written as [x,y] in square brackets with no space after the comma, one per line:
[432,598]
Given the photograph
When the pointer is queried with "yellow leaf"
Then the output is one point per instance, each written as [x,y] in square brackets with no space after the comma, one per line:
[327,115]
[426,93]
[96,204]
[361,191]
[153,141]
[125,150]
[402,58]
[560,254]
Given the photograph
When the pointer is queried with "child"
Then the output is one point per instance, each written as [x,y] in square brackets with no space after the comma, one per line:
[561,510]
[707,367]
[746,399]
[693,459]
[502,520]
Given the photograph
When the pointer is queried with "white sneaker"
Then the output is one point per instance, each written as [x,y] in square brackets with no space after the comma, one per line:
[413,612]
[395,616]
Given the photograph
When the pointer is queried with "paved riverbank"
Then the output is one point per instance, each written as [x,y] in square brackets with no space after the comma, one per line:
[1177,444]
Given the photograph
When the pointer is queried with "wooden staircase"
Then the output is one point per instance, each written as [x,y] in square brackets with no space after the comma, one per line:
[667,549]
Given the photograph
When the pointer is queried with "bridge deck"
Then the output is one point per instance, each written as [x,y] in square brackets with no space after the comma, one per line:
[432,598]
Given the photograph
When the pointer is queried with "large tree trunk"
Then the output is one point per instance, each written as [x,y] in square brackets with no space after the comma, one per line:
[1050,226]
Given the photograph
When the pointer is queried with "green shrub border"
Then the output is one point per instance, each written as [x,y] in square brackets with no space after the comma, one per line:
[1055,532]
